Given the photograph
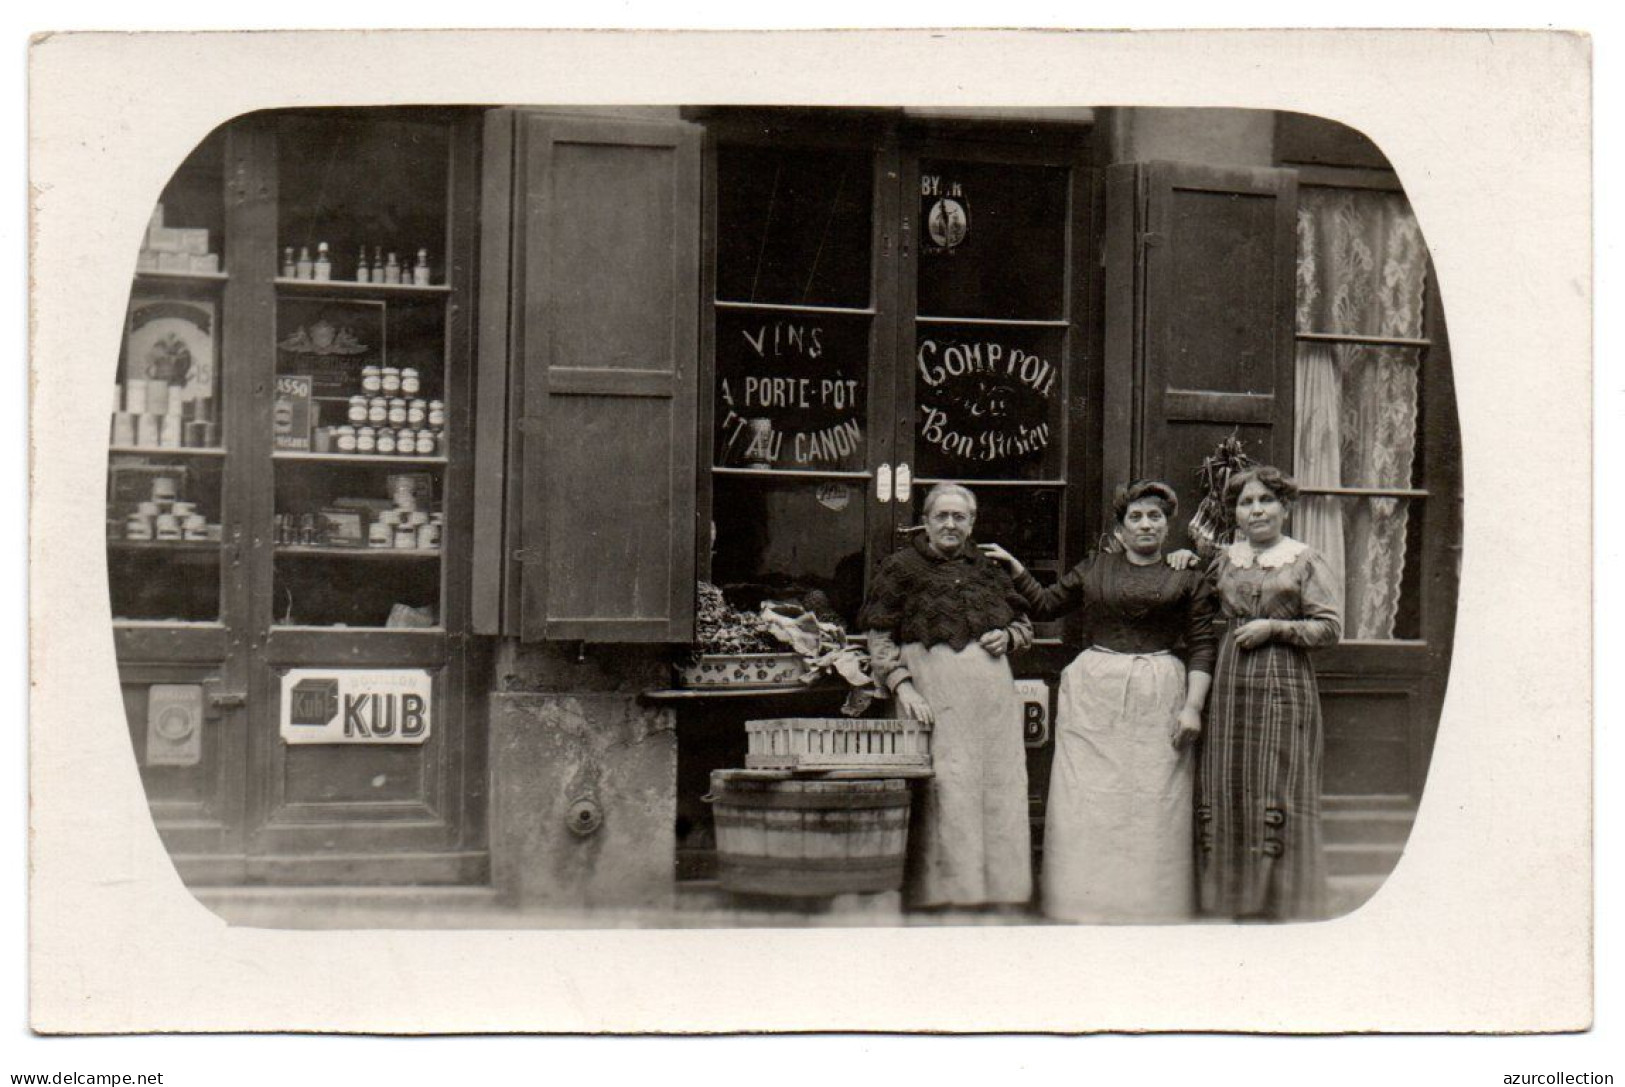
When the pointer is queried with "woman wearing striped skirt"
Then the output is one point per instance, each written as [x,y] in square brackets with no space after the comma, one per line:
[1258,775]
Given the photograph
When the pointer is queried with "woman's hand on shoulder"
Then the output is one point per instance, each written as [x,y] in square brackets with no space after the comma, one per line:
[1183,559]
[999,554]
[1254,633]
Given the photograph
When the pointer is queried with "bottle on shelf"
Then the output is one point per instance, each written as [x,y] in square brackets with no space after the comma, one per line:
[363,272]
[420,270]
[290,269]
[304,268]
[323,268]
[392,269]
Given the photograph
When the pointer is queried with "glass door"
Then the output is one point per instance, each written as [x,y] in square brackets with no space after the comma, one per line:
[800,408]
[989,321]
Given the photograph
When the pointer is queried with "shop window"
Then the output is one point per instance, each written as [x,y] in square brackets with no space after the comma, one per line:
[793,227]
[1361,367]
[165,492]
[992,240]
[792,397]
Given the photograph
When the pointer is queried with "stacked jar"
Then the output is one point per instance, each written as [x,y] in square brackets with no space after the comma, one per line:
[388,417]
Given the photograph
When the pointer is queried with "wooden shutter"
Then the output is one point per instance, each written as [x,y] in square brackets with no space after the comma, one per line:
[1200,277]
[601,334]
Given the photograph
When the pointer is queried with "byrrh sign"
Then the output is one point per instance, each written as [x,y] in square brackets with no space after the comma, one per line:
[352,706]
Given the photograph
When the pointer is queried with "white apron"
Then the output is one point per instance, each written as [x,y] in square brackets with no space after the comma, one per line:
[970,842]
[1117,830]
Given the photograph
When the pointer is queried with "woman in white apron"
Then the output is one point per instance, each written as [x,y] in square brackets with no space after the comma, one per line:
[1118,826]
[941,619]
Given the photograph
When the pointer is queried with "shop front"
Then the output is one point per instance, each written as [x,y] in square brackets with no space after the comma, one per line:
[423,456]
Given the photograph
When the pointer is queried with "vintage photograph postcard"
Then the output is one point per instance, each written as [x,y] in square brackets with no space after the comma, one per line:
[626,532]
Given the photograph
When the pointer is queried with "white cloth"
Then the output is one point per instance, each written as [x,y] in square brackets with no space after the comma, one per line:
[1117,832]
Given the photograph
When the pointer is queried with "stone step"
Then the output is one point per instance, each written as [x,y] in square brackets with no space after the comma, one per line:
[1361,859]
[1346,826]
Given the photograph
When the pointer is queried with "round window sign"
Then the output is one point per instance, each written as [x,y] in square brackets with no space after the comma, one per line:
[174,724]
[948,222]
[834,496]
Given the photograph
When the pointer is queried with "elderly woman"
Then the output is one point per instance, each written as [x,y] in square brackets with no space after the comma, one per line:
[1117,828]
[941,618]
[1258,776]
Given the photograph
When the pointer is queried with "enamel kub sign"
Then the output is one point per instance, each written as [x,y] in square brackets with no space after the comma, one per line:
[353,706]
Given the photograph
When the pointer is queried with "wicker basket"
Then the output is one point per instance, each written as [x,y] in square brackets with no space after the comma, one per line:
[836,743]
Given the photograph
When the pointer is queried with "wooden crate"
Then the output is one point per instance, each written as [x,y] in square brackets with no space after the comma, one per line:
[836,743]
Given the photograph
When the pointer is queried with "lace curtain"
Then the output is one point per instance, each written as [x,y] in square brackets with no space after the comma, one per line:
[1362,271]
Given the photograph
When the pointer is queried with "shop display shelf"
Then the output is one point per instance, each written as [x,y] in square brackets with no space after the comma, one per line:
[375,553]
[180,277]
[167,450]
[360,290]
[355,458]
[177,547]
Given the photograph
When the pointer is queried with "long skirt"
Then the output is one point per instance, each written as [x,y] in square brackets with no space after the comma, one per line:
[970,842]
[1258,787]
[1117,832]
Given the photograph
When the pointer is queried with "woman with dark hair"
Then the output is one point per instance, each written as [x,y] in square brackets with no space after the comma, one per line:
[1117,828]
[1258,778]
[941,621]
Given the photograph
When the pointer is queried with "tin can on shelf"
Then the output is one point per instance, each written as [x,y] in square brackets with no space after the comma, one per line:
[321,439]
[366,440]
[358,409]
[397,411]
[379,534]
[197,434]
[124,428]
[165,489]
[344,439]
[377,410]
[428,536]
[138,528]
[416,412]
[392,518]
[386,441]
[416,518]
[391,379]
[409,380]
[371,379]
[403,492]
[147,509]
[437,413]
[183,509]
[406,538]
[166,526]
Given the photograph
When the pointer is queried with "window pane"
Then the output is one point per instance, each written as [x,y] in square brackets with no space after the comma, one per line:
[163,538]
[793,227]
[992,240]
[1362,264]
[790,539]
[989,402]
[792,391]
[1357,413]
[363,184]
[1373,545]
[356,545]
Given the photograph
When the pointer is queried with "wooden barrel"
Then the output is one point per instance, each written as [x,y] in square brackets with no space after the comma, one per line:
[809,837]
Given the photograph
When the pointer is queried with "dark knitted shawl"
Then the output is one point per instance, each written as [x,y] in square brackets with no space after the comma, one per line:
[920,596]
